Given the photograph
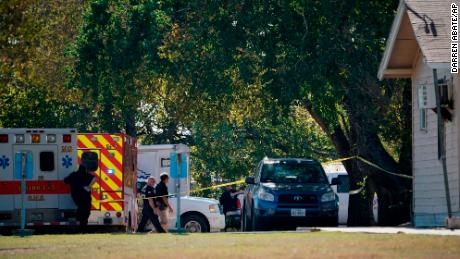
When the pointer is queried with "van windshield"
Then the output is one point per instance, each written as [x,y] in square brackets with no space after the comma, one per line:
[293,173]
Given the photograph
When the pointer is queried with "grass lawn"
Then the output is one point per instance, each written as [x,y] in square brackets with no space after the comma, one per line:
[231,245]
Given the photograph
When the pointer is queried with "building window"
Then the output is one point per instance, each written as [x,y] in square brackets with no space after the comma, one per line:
[422,119]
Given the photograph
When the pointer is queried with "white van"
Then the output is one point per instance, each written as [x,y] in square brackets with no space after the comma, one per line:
[342,189]
[197,214]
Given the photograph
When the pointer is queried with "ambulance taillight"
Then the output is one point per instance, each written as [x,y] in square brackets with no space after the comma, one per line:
[67,138]
[3,138]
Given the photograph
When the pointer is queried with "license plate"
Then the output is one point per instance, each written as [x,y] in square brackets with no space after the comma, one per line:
[298,212]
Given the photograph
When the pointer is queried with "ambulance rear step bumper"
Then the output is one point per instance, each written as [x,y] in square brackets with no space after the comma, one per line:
[38,224]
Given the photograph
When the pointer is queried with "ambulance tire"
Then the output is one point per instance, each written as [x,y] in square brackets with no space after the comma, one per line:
[194,223]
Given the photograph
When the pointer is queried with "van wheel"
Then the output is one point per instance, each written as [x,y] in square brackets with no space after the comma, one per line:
[194,223]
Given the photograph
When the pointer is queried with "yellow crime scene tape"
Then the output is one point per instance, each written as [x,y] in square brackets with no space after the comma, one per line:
[351,192]
[356,191]
[191,191]
[369,163]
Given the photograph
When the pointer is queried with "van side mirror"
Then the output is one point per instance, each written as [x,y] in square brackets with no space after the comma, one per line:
[336,181]
[250,180]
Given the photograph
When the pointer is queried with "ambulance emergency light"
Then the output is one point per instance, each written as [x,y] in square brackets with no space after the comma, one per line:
[66,138]
[51,138]
[28,163]
[3,138]
[20,138]
[35,138]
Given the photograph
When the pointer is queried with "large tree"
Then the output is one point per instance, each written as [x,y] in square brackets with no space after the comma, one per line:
[323,55]
[232,78]
[116,56]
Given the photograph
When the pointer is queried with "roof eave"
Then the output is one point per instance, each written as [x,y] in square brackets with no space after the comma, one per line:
[391,40]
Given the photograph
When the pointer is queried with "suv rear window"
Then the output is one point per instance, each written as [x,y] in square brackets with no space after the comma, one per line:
[46,161]
[287,172]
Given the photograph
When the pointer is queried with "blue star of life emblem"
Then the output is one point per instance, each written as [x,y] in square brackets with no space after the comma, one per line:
[67,161]
[4,162]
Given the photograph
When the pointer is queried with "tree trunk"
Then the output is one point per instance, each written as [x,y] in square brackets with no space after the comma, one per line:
[130,124]
[390,190]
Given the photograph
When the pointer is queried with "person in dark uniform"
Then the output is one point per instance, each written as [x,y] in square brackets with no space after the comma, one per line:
[80,182]
[164,208]
[228,199]
[149,207]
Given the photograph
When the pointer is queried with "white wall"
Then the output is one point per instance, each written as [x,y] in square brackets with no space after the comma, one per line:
[429,199]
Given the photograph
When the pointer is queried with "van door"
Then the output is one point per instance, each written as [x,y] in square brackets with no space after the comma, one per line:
[47,170]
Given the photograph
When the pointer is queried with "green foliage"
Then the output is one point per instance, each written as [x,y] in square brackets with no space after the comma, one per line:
[230,78]
[116,58]
[228,151]
[33,37]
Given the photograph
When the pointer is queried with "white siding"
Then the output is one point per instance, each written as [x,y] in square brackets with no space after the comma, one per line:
[429,194]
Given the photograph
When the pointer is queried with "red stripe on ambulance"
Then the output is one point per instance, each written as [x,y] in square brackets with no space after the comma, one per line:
[34,187]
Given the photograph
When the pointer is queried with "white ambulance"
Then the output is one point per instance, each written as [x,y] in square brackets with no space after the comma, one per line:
[51,156]
[197,214]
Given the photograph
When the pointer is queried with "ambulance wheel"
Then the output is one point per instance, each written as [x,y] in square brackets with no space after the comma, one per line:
[194,223]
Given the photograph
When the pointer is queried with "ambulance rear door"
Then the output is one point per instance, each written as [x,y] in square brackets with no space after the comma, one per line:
[41,188]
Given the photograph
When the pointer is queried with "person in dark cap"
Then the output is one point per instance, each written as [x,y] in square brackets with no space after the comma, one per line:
[164,207]
[149,209]
[80,182]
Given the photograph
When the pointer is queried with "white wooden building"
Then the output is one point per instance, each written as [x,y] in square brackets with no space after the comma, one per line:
[420,41]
